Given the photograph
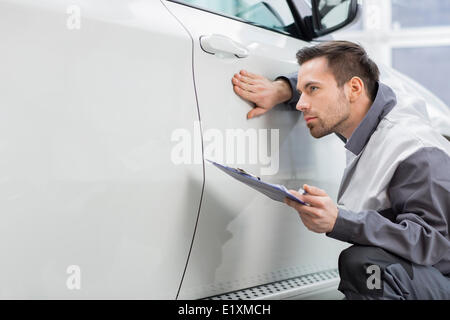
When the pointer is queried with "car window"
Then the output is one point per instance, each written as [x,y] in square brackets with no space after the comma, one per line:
[332,12]
[272,14]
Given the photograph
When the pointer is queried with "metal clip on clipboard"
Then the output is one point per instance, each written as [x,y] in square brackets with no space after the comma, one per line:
[249,174]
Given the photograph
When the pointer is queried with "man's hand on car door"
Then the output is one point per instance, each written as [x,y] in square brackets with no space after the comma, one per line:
[264,93]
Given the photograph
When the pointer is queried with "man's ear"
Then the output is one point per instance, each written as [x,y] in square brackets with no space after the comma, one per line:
[355,88]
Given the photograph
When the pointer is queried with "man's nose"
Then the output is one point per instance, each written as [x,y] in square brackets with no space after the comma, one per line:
[302,104]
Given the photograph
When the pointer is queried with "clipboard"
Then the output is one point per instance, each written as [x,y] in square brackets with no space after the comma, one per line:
[274,191]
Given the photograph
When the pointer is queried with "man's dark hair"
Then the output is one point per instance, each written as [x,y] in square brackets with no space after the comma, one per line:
[346,60]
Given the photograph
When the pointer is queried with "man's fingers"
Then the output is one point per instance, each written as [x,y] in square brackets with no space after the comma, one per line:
[302,209]
[315,201]
[309,211]
[246,79]
[314,190]
[249,74]
[243,85]
[295,193]
[306,221]
[247,95]
[239,79]
[306,214]
[312,200]
[291,203]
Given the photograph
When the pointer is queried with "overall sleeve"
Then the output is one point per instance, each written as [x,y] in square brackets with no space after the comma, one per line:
[416,226]
[292,80]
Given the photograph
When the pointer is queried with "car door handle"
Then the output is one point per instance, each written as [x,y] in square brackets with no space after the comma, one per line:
[217,44]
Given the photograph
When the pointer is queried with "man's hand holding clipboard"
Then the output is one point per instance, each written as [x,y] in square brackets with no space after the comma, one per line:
[316,209]
[273,191]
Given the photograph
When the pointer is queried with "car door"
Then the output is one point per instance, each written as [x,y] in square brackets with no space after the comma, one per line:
[91,204]
[243,238]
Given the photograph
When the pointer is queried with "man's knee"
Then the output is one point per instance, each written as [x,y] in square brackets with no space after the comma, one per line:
[356,268]
[358,258]
[355,258]
[362,268]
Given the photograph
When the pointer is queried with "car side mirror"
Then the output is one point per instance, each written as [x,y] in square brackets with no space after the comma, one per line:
[330,15]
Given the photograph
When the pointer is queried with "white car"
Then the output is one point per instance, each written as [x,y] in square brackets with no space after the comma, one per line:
[108,109]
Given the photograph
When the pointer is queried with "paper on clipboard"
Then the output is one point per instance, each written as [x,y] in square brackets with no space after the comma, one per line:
[274,191]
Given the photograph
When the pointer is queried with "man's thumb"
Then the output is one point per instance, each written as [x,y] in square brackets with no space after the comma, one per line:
[314,191]
[257,111]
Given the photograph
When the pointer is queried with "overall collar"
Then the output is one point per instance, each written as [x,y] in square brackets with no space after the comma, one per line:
[384,101]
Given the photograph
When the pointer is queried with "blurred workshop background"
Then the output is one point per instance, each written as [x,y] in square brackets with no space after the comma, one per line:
[412,36]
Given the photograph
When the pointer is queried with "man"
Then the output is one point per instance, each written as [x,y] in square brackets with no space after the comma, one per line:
[394,198]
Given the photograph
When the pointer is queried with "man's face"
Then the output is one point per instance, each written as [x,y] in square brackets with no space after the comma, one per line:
[324,105]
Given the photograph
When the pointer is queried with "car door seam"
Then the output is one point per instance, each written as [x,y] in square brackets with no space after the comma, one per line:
[203,161]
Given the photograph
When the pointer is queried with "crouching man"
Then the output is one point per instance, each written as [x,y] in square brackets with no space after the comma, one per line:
[394,199]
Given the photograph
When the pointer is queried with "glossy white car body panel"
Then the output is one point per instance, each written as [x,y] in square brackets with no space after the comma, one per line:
[86,118]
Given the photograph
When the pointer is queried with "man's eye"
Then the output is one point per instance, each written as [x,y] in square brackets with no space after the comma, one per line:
[313,88]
